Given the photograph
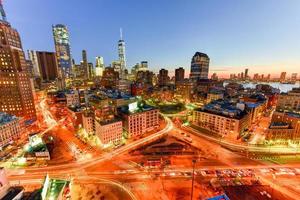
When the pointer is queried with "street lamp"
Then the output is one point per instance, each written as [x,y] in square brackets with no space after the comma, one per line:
[193,177]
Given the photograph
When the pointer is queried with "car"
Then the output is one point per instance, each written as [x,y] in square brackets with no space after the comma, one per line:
[187,139]
[188,173]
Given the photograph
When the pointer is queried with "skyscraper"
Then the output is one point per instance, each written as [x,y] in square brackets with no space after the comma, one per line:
[99,66]
[46,64]
[163,77]
[15,87]
[91,70]
[246,73]
[179,75]
[85,65]
[282,76]
[3,14]
[144,66]
[35,64]
[62,48]
[122,55]
[199,66]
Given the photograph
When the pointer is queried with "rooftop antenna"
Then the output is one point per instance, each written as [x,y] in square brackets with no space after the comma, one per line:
[121,33]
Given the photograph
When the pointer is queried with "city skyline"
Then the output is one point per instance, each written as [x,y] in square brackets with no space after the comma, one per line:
[174,44]
[80,130]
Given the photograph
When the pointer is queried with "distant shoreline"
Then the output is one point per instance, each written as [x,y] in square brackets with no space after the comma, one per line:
[283,87]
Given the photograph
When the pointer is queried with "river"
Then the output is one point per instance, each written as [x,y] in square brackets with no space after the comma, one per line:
[280,86]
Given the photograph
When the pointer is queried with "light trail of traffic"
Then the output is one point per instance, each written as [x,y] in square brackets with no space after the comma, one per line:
[80,179]
[238,147]
[107,156]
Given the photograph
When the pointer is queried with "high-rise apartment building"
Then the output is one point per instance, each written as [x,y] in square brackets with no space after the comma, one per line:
[185,90]
[46,64]
[199,66]
[62,48]
[35,65]
[246,73]
[91,70]
[85,65]
[179,75]
[282,76]
[163,77]
[16,96]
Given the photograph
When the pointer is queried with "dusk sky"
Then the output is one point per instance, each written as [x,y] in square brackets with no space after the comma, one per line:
[263,35]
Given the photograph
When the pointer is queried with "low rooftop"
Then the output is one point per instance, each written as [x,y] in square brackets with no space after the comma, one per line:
[252,104]
[279,125]
[139,109]
[75,108]
[6,118]
[292,114]
[108,121]
[223,108]
[71,92]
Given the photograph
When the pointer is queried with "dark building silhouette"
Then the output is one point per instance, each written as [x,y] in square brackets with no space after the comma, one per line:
[179,75]
[48,65]
[163,77]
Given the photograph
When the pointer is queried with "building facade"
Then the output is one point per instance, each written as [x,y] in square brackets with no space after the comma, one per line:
[214,95]
[109,130]
[185,90]
[10,128]
[280,131]
[110,78]
[223,119]
[145,77]
[163,77]
[289,102]
[14,75]
[179,75]
[140,120]
[85,65]
[72,98]
[88,122]
[62,48]
[283,77]
[199,66]
[284,125]
[99,66]
[34,62]
[46,63]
